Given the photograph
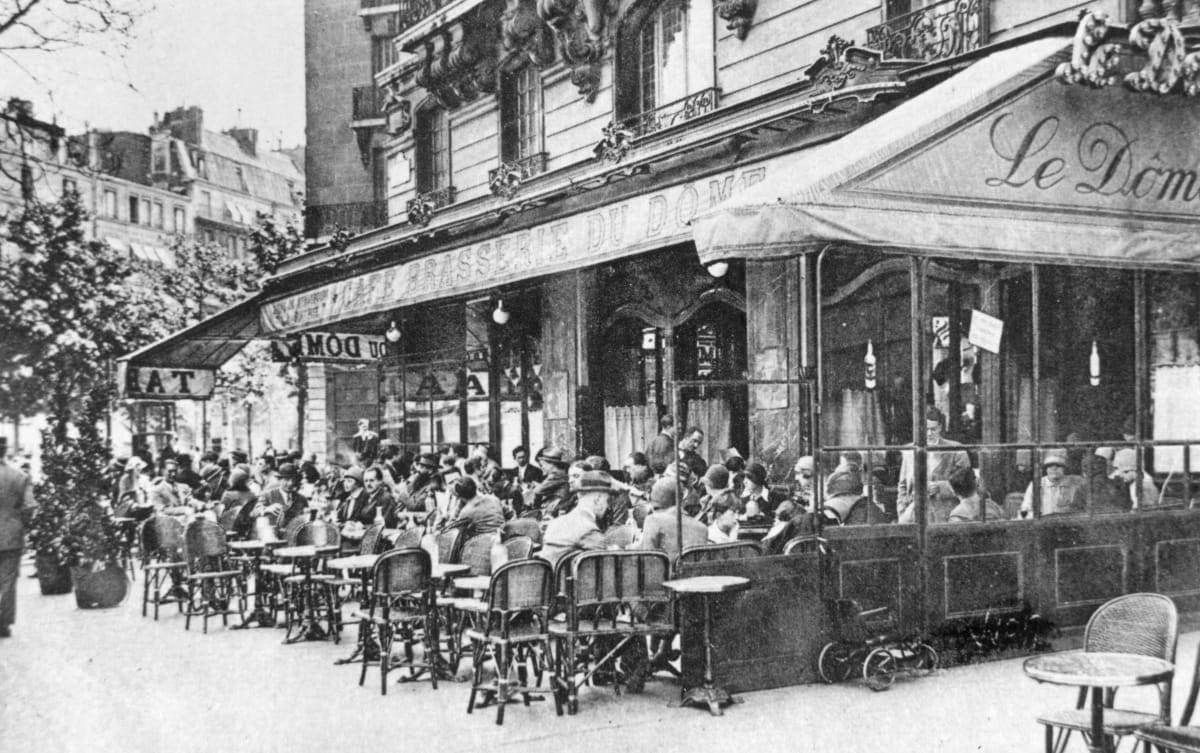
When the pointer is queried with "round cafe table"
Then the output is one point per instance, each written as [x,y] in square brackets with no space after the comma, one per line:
[364,565]
[306,558]
[705,587]
[252,552]
[1098,670]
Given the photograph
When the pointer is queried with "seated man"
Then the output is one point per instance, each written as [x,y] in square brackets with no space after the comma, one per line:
[479,513]
[844,503]
[578,530]
[661,528]
[971,506]
[941,501]
[1062,494]
[724,526]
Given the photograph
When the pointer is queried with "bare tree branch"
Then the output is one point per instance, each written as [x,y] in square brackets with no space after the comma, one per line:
[52,25]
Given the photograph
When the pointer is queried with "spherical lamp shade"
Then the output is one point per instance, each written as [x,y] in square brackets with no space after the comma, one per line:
[718,268]
[393,333]
[500,315]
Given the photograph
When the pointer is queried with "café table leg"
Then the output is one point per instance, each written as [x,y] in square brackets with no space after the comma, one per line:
[1098,743]
[366,635]
[708,694]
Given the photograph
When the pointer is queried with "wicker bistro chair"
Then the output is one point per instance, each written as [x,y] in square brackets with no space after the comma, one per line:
[409,538]
[612,600]
[715,552]
[403,605]
[477,552]
[449,545]
[1183,738]
[312,593]
[1143,623]
[214,584]
[163,569]
[372,540]
[514,624]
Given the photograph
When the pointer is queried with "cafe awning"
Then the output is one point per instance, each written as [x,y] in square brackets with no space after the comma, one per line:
[1003,160]
[207,345]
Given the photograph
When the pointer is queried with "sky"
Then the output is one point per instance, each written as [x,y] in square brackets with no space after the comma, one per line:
[241,61]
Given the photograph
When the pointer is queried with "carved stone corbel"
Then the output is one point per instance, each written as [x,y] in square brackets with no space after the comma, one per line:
[581,27]
[433,76]
[523,33]
[739,14]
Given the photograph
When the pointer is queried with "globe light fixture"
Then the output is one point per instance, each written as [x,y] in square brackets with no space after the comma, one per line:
[500,315]
[393,333]
[718,268]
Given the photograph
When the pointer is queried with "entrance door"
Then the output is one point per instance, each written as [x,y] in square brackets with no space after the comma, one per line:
[710,345]
[632,386]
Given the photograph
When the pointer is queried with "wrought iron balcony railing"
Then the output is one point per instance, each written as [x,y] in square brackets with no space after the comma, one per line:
[375,4]
[411,12]
[421,207]
[357,217]
[935,32]
[508,177]
[366,104]
[673,114]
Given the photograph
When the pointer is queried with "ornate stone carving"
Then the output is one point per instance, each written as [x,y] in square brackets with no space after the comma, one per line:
[458,72]
[420,208]
[1169,65]
[397,111]
[523,33]
[581,27]
[841,62]
[615,142]
[506,179]
[1091,61]
[739,14]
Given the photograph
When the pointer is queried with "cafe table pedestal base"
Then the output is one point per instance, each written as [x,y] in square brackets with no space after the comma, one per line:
[704,587]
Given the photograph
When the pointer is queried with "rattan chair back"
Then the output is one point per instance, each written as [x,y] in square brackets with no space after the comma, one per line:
[520,591]
[229,516]
[204,546]
[161,538]
[715,552]
[620,579]
[318,533]
[477,553]
[372,539]
[401,572]
[1142,623]
[409,538]
[519,548]
[292,530]
[448,549]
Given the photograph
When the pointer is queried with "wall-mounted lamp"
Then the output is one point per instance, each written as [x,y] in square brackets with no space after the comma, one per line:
[1094,366]
[718,268]
[393,333]
[500,315]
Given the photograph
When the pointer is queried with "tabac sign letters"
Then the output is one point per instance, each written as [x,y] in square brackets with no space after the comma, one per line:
[165,383]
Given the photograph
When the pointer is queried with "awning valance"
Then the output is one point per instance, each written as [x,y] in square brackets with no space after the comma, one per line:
[207,345]
[1003,160]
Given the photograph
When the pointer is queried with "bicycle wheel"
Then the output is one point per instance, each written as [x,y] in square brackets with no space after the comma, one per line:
[879,669]
[833,665]
[925,657]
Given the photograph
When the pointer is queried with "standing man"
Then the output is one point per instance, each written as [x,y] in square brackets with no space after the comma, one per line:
[689,450]
[16,497]
[661,451]
[366,444]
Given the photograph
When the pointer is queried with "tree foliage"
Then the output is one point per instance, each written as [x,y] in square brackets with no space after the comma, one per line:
[272,243]
[66,310]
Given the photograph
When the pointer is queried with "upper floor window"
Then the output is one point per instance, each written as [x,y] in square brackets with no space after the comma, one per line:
[134,210]
[157,215]
[110,203]
[665,74]
[179,218]
[521,114]
[69,186]
[383,53]
[662,74]
[433,149]
[145,215]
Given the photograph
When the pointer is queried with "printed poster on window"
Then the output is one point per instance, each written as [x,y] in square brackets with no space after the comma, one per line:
[986,331]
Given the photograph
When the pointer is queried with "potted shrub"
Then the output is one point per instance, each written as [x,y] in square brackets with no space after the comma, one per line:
[72,527]
[47,528]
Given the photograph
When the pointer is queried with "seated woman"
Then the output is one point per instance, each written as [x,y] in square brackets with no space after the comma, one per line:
[791,520]
[1062,494]
[239,497]
[844,503]
[724,527]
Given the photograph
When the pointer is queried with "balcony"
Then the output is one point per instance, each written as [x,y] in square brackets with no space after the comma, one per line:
[935,32]
[356,217]
[366,107]
[371,7]
[673,114]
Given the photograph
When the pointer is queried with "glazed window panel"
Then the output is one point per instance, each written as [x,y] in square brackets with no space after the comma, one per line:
[521,114]
[662,73]
[433,150]
[1173,328]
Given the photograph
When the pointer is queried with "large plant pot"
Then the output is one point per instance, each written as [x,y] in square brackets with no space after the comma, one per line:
[53,577]
[100,589]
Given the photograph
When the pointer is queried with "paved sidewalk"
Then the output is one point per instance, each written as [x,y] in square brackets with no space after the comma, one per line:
[112,680]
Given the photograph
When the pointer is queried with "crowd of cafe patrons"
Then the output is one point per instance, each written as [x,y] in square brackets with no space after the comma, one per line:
[568,503]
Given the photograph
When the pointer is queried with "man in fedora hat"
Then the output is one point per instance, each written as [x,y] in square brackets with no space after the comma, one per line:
[283,502]
[579,530]
[1062,493]
[555,487]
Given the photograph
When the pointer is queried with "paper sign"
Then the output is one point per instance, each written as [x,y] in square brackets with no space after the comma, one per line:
[162,383]
[986,331]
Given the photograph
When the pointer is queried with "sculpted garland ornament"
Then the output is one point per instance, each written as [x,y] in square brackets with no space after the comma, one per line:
[1169,68]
